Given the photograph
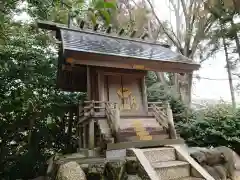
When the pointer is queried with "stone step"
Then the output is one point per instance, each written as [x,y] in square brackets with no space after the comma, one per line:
[133,177]
[170,170]
[160,154]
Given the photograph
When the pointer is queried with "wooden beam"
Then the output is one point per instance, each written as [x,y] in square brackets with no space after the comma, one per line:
[144,144]
[117,73]
[93,59]
[47,25]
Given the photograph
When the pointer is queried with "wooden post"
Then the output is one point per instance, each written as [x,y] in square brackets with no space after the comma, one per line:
[100,82]
[80,136]
[91,140]
[88,83]
[173,133]
[100,87]
[144,94]
[85,136]
[117,117]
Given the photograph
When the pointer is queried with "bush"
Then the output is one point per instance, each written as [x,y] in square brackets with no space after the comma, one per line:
[215,126]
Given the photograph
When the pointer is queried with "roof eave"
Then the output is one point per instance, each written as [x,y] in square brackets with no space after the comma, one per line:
[95,59]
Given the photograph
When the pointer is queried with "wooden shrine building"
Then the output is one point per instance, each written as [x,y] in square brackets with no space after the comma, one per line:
[111,69]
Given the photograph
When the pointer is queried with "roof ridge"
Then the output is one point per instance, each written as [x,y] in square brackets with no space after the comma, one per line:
[110,35]
[77,29]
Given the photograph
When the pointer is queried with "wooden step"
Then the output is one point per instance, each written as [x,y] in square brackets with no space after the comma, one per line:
[172,169]
[137,138]
[143,122]
[160,154]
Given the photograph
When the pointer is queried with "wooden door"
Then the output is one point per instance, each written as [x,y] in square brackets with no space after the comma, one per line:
[127,92]
[113,85]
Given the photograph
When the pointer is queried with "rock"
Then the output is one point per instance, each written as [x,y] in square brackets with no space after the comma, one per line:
[199,156]
[214,157]
[237,161]
[70,171]
[196,149]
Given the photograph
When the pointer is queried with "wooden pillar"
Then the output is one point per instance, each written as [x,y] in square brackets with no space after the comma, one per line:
[88,83]
[100,86]
[85,136]
[117,117]
[91,140]
[144,94]
[80,136]
[173,133]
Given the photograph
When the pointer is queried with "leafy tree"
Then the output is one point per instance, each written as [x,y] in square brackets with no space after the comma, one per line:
[31,106]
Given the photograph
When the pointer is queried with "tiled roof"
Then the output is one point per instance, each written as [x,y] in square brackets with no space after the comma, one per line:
[104,44]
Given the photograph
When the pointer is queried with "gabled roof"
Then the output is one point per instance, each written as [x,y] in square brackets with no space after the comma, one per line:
[109,45]
[92,45]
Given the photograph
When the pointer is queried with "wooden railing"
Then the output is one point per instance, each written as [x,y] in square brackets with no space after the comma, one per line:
[113,115]
[89,129]
[90,110]
[100,108]
[164,116]
[160,115]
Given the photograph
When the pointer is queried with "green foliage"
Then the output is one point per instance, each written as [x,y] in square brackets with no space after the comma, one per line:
[101,10]
[28,94]
[31,128]
[157,92]
[214,126]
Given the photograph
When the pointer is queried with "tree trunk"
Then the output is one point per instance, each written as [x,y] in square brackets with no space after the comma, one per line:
[229,72]
[233,26]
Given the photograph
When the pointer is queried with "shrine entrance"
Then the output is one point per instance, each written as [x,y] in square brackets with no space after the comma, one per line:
[126,90]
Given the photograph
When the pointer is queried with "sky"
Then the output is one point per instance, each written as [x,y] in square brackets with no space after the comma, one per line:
[212,68]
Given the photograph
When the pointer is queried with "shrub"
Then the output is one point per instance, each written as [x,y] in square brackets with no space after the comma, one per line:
[214,126]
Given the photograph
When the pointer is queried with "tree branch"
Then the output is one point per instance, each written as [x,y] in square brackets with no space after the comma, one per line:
[184,7]
[162,26]
[178,21]
[204,30]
